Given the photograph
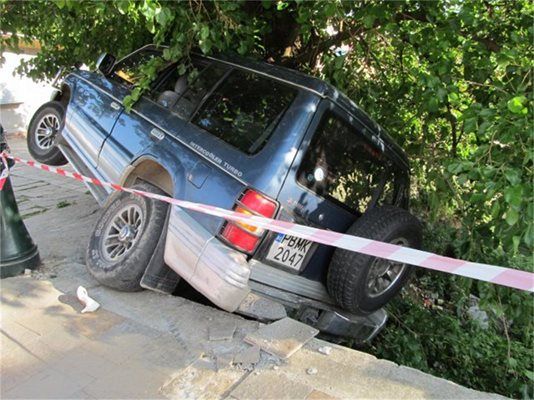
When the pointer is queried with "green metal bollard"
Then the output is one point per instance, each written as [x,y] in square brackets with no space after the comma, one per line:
[17,249]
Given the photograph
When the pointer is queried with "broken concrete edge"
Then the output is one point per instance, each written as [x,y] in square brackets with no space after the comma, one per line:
[282,338]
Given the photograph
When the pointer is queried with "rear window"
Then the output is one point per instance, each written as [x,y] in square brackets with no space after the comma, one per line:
[244,110]
[342,165]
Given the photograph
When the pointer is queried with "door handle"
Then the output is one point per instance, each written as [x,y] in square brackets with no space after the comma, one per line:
[157,134]
[115,106]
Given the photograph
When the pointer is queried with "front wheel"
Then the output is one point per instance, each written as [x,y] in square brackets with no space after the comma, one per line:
[125,238]
[362,284]
[43,130]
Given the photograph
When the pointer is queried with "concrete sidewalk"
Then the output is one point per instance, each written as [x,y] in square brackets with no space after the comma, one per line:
[148,345]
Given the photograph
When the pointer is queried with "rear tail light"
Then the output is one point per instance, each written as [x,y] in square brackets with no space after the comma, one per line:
[246,237]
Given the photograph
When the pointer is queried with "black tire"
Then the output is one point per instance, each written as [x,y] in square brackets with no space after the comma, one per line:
[45,126]
[123,271]
[355,280]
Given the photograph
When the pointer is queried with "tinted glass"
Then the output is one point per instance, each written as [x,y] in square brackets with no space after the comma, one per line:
[189,101]
[245,109]
[343,165]
[128,70]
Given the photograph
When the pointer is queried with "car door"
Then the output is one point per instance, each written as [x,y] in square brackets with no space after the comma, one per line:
[95,105]
[160,113]
[338,173]
[97,102]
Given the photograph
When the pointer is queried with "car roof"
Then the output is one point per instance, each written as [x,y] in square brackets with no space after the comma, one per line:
[315,85]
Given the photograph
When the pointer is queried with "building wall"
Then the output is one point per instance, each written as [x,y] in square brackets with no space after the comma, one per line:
[19,96]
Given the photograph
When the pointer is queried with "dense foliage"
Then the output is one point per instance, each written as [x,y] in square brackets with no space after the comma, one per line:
[452,82]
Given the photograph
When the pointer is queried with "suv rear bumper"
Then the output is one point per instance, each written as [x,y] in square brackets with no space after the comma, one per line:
[223,275]
[215,270]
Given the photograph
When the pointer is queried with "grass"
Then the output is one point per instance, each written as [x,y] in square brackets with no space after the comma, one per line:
[63,204]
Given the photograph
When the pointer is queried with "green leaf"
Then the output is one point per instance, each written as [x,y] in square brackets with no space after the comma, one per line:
[455,167]
[513,176]
[516,106]
[205,46]
[516,240]
[432,105]
[529,374]
[282,5]
[242,49]
[369,21]
[470,125]
[453,97]
[477,198]
[512,216]
[164,16]
[495,209]
[204,32]
[330,8]
[514,196]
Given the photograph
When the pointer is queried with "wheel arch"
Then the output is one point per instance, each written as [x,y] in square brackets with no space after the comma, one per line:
[148,170]
[62,95]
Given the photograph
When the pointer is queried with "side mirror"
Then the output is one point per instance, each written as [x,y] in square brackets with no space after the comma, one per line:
[105,63]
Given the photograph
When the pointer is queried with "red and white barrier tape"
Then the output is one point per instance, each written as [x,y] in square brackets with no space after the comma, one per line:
[488,273]
[5,170]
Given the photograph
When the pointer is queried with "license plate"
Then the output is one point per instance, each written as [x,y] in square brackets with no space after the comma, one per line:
[288,251]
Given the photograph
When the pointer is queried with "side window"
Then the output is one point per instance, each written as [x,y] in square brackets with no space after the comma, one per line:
[187,104]
[127,71]
[245,109]
[182,93]
[341,164]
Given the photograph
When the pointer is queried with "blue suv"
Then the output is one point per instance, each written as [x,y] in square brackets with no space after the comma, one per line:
[241,135]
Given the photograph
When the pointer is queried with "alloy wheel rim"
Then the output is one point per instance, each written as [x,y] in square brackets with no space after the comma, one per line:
[47,129]
[122,232]
[384,274]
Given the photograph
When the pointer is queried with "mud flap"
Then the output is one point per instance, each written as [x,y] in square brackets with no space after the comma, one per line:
[158,276]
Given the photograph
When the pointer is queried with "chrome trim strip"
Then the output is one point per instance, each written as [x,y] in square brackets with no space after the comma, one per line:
[163,129]
[292,283]
[238,66]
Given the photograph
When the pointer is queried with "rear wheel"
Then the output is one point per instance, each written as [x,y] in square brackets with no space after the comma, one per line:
[43,130]
[362,284]
[125,238]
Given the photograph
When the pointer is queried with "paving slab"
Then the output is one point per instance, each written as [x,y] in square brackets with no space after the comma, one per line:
[261,308]
[222,330]
[46,384]
[282,338]
[270,384]
[202,380]
[223,361]
[249,356]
